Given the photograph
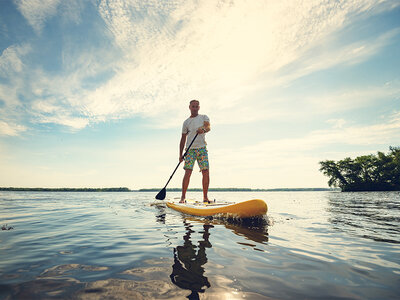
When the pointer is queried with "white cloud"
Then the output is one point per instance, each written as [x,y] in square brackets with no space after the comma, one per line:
[326,57]
[337,123]
[342,100]
[56,98]
[11,59]
[231,55]
[49,112]
[9,95]
[44,106]
[217,53]
[172,51]
[295,160]
[72,10]
[75,123]
[11,129]
[36,12]
[376,134]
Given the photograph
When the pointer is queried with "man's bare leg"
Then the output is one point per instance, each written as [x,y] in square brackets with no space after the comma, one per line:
[206,183]
[185,184]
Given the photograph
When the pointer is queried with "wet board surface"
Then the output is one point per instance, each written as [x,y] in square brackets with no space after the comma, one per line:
[200,204]
[244,209]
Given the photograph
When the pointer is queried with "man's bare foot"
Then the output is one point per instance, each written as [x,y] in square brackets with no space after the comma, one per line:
[206,200]
[182,200]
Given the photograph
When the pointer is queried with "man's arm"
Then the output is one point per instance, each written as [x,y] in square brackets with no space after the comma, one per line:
[205,128]
[182,146]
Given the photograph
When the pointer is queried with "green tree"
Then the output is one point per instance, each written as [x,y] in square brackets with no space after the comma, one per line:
[378,172]
[331,169]
[351,170]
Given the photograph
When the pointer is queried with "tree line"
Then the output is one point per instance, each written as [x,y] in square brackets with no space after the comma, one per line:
[374,172]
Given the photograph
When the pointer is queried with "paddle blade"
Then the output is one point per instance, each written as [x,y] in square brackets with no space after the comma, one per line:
[161,194]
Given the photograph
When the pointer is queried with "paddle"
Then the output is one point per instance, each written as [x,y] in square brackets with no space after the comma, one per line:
[161,194]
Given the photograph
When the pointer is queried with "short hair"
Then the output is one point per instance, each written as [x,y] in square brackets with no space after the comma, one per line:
[194,101]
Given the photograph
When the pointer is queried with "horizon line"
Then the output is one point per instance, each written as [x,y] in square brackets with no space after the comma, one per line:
[125,189]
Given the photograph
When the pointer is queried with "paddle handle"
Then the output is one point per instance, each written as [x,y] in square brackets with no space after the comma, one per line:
[190,145]
[180,161]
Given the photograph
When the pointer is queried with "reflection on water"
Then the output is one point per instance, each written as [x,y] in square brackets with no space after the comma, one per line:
[254,229]
[189,259]
[187,270]
[374,216]
[319,245]
[161,214]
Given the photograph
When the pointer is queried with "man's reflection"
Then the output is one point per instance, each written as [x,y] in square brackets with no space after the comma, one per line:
[187,270]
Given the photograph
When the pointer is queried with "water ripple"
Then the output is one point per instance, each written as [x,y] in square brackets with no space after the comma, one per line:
[317,245]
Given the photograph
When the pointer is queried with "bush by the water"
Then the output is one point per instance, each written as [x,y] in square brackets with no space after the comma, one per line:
[374,172]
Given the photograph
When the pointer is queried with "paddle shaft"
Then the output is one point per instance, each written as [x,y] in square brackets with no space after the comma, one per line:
[180,161]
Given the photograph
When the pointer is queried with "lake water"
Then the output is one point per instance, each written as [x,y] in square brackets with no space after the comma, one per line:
[311,245]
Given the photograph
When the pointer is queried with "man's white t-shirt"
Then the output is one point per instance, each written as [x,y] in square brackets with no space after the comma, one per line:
[190,127]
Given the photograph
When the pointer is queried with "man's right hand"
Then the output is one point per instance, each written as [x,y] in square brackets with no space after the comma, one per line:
[181,158]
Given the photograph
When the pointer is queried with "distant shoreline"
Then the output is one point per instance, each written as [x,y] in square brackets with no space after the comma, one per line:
[243,190]
[125,189]
[15,189]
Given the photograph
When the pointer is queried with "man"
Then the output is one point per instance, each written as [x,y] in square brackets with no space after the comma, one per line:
[195,124]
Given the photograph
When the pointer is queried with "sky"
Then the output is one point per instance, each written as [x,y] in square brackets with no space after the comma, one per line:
[93,93]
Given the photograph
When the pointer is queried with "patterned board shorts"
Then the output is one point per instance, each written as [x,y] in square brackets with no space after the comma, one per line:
[201,155]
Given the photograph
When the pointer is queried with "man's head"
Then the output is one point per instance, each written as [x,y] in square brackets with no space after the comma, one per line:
[194,107]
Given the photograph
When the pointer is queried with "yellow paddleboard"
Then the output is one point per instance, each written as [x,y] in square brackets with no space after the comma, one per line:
[245,209]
